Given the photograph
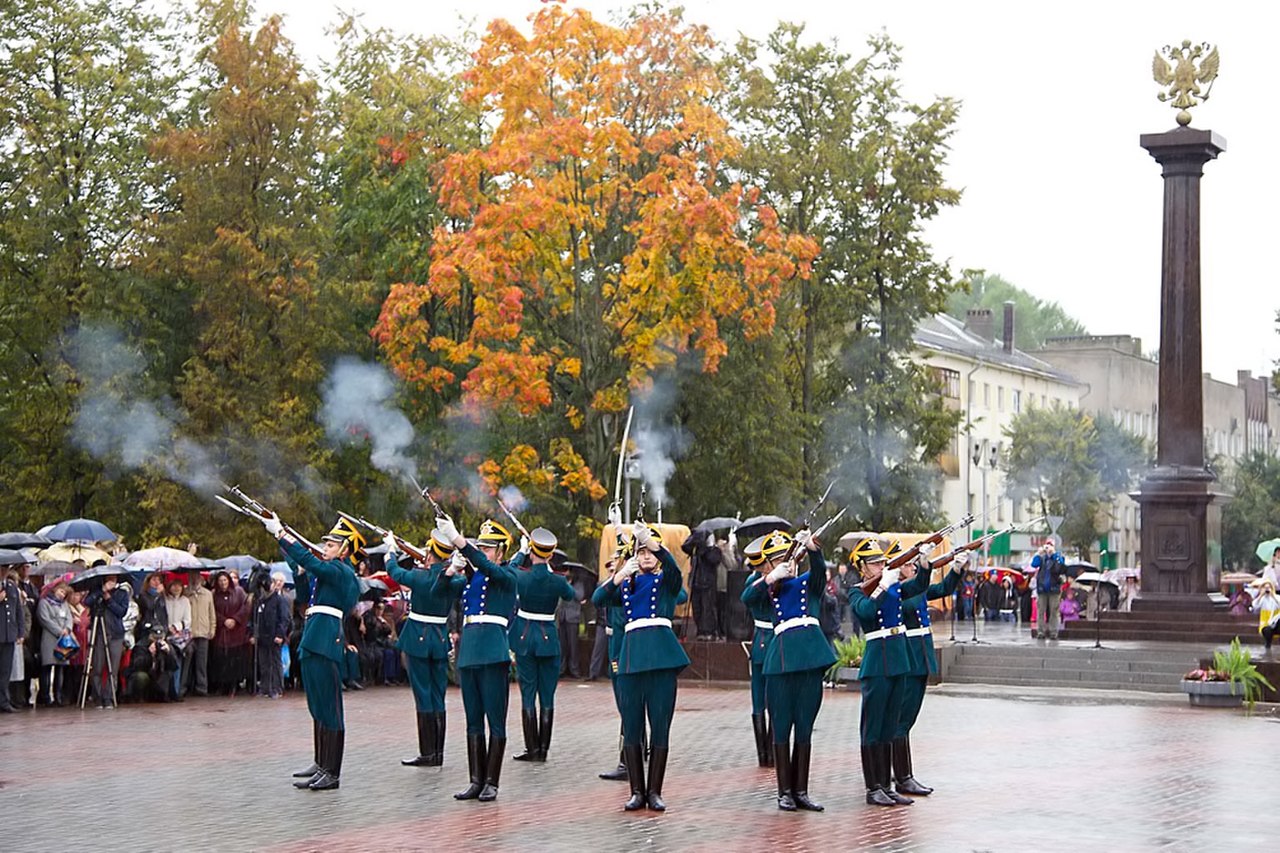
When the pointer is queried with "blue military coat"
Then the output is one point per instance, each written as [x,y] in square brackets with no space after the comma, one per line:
[488,598]
[648,645]
[880,616]
[332,584]
[800,645]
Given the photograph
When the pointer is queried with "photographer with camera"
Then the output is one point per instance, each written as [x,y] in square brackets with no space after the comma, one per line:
[1050,569]
[107,604]
[153,668]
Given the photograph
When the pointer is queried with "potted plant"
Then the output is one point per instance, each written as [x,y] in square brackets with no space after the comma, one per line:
[1232,680]
[848,659]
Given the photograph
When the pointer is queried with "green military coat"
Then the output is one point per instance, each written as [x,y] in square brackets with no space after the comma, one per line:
[641,597]
[332,584]
[885,656]
[539,590]
[490,593]
[432,598]
[796,602]
[915,616]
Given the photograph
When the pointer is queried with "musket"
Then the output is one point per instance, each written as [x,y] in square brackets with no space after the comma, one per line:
[793,552]
[622,458]
[979,542]
[426,495]
[817,505]
[640,506]
[514,520]
[932,539]
[418,554]
[253,509]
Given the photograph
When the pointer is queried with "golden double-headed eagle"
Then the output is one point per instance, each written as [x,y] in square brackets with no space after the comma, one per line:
[1179,73]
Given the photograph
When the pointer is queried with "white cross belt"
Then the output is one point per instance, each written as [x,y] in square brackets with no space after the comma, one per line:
[536,617]
[795,622]
[430,620]
[649,622]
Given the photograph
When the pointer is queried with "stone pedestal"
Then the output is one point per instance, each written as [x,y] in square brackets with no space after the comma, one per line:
[1176,498]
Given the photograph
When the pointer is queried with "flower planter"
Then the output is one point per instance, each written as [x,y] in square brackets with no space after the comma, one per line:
[1214,694]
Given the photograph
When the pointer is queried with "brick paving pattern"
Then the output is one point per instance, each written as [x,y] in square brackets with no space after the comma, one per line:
[1014,770]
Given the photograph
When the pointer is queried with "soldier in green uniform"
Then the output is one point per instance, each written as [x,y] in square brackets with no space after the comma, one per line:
[424,641]
[795,661]
[762,615]
[924,661]
[484,657]
[536,643]
[877,604]
[333,592]
[646,589]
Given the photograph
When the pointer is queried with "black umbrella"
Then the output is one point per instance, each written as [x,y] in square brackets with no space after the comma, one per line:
[18,541]
[760,525]
[372,589]
[1077,567]
[240,563]
[12,558]
[720,522]
[53,568]
[99,573]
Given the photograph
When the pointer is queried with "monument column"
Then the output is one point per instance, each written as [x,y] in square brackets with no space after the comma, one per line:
[1176,496]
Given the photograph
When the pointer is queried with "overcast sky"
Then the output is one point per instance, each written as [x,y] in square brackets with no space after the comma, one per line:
[1058,196]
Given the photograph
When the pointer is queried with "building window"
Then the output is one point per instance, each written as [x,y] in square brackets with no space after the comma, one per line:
[986,395]
[1000,398]
[948,382]
[970,508]
[1017,512]
[1017,402]
[1000,510]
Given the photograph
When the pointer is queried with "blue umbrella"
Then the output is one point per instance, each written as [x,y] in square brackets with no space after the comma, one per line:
[81,530]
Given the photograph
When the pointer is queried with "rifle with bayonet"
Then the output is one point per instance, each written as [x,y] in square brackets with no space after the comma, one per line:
[419,555]
[941,561]
[426,495]
[932,539]
[511,515]
[793,552]
[253,509]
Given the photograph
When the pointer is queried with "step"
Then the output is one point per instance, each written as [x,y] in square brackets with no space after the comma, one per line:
[1166,635]
[1064,683]
[1051,652]
[1083,673]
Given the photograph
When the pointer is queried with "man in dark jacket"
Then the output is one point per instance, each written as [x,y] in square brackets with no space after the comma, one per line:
[705,559]
[271,624]
[13,630]
[1050,569]
[107,608]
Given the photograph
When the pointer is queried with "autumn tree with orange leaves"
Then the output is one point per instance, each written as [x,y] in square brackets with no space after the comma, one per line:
[597,239]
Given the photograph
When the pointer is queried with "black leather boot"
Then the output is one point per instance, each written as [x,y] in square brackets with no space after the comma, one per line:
[529,725]
[904,780]
[782,769]
[657,773]
[884,765]
[315,755]
[476,758]
[800,785]
[870,777]
[768,740]
[437,760]
[493,773]
[618,773]
[546,719]
[426,733]
[335,741]
[762,746]
[633,757]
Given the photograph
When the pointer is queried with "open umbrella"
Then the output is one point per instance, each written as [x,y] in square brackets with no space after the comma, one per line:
[1077,567]
[12,558]
[1266,549]
[719,522]
[1237,578]
[372,589]
[760,525]
[70,553]
[18,541]
[81,530]
[97,573]
[241,564]
[162,559]
[53,568]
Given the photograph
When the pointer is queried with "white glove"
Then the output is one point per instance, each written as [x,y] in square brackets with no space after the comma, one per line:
[273,524]
[804,537]
[889,578]
[457,562]
[524,544]
[615,516]
[644,539]
[962,560]
[783,571]
[631,566]
[390,541]
[448,530]
[927,548]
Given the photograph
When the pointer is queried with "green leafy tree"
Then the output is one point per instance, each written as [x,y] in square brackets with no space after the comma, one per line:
[1253,514]
[82,86]
[1036,320]
[848,162]
[1067,463]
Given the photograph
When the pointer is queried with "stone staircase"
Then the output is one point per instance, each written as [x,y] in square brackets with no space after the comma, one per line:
[1168,624]
[1057,665]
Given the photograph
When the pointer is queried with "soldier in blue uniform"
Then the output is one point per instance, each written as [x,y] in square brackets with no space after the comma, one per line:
[878,607]
[536,643]
[795,661]
[424,641]
[484,656]
[650,659]
[924,661]
[762,614]
[333,591]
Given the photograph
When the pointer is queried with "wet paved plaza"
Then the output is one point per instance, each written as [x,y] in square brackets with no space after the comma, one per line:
[1014,770]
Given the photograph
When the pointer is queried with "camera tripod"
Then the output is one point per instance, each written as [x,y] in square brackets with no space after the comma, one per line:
[97,635]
